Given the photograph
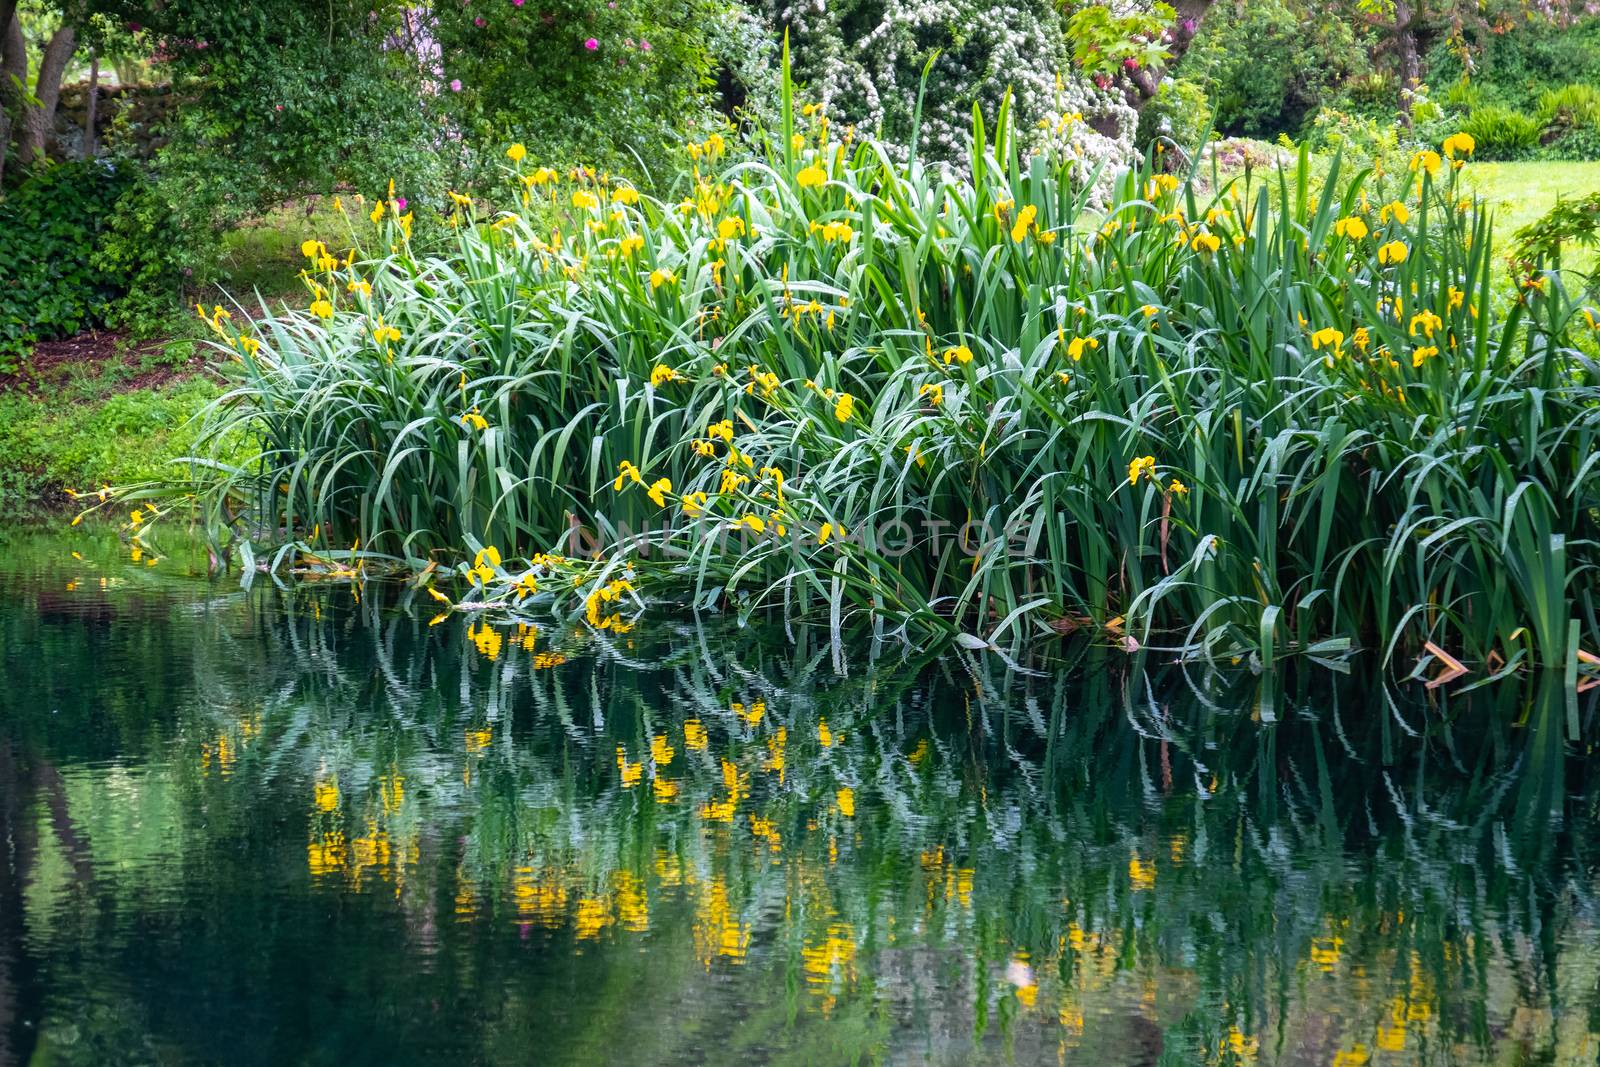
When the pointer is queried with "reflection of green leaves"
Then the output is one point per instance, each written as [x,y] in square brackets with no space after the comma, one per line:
[1099,831]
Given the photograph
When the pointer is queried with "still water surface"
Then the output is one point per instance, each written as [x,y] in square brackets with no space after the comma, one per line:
[285,828]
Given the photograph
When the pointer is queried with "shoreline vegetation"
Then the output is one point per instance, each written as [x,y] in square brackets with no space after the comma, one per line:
[1278,417]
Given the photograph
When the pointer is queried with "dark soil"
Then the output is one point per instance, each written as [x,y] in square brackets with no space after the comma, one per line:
[100,354]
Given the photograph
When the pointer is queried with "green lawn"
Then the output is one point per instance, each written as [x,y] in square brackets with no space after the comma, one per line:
[1521,192]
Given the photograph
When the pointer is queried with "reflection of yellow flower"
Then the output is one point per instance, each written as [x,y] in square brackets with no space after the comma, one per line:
[694,735]
[326,796]
[847,802]
[1325,951]
[632,773]
[489,642]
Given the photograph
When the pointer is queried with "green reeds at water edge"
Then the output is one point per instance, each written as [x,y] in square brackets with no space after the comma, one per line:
[1236,419]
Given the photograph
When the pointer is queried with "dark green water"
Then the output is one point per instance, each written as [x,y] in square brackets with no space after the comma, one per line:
[285,828]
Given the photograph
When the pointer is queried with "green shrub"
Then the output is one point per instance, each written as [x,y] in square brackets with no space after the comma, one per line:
[611,85]
[1570,107]
[1502,133]
[1360,140]
[1578,145]
[50,283]
[278,101]
[1267,66]
[894,68]
[1179,111]
[142,247]
[1514,67]
[1570,116]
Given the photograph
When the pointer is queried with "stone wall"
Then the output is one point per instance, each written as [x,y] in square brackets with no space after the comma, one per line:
[127,117]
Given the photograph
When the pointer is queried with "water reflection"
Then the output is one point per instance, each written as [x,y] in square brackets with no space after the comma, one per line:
[287,827]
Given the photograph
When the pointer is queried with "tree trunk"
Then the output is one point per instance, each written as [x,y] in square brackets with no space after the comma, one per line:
[13,69]
[1185,27]
[1406,49]
[90,145]
[38,119]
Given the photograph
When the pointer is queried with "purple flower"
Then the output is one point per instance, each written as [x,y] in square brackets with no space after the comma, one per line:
[480,22]
[455,85]
[591,44]
[517,3]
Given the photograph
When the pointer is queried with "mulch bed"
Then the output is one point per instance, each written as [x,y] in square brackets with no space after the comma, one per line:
[102,350]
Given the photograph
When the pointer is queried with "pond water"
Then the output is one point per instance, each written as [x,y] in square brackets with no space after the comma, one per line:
[294,827]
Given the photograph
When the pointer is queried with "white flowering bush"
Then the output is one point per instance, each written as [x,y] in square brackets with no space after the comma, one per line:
[864,63]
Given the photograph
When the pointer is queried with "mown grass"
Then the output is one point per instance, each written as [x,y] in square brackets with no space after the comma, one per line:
[95,433]
[1262,421]
[1521,193]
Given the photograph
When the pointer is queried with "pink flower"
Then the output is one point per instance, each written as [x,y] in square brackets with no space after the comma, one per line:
[400,204]
[479,22]
[517,3]
[644,46]
[455,85]
[591,44]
